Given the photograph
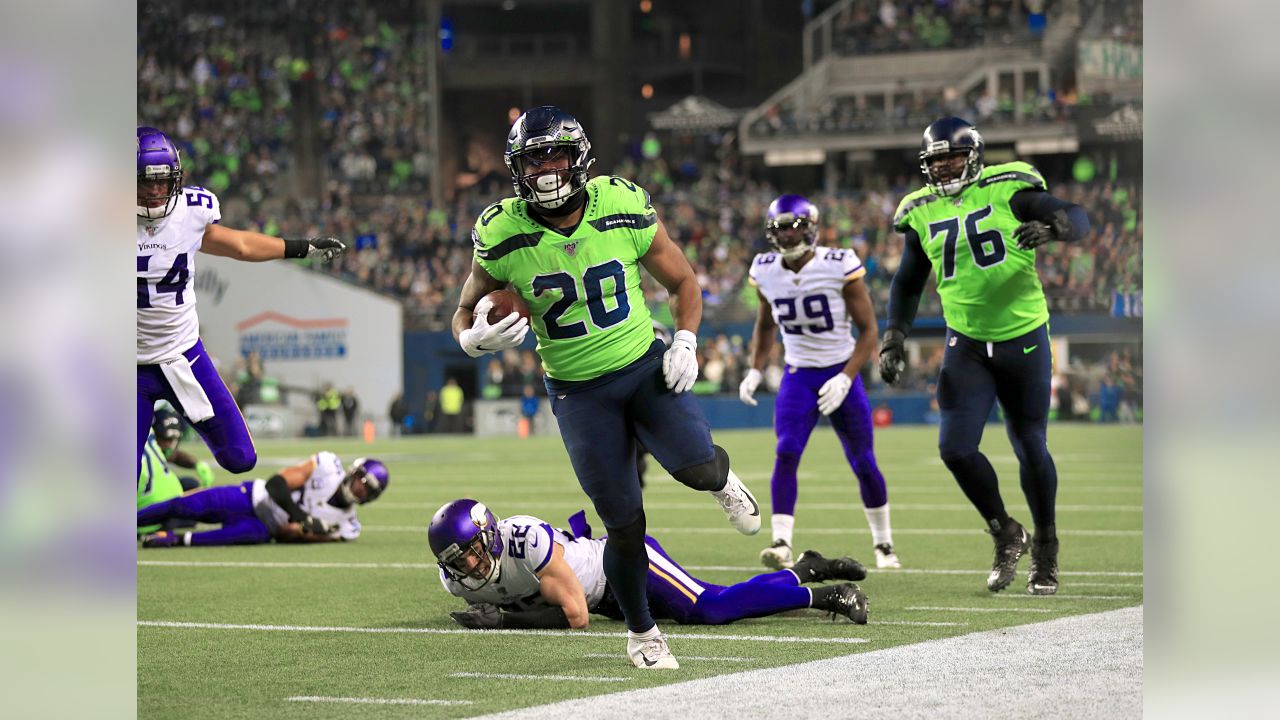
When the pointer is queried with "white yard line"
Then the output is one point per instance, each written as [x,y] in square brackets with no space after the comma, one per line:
[682,658]
[488,633]
[374,701]
[698,506]
[979,610]
[517,676]
[726,530]
[753,569]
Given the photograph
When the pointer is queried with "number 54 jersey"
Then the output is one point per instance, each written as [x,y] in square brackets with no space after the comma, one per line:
[809,305]
[167,247]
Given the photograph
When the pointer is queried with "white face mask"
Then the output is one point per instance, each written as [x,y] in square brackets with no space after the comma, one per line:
[550,192]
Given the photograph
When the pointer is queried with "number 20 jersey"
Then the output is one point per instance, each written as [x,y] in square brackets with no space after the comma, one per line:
[167,247]
[808,306]
[526,549]
[583,290]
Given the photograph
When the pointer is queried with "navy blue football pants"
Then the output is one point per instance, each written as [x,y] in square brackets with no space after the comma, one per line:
[1017,373]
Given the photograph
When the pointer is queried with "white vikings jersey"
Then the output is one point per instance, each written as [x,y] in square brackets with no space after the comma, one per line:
[313,498]
[526,549]
[167,246]
[809,306]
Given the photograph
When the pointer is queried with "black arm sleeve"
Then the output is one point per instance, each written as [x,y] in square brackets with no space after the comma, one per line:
[908,284]
[296,248]
[278,490]
[1040,205]
[545,619]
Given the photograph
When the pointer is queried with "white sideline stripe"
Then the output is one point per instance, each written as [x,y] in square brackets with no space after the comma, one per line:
[517,676]
[374,701]
[920,623]
[951,507]
[727,530]
[313,565]
[1105,584]
[489,633]
[755,569]
[982,609]
[682,658]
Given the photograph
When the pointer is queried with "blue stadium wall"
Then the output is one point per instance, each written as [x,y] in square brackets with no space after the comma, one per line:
[431,356]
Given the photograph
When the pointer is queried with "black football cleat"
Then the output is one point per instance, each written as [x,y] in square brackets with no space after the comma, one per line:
[847,600]
[1012,541]
[1042,578]
[811,566]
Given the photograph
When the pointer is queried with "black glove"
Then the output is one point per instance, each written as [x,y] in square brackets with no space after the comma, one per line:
[324,248]
[1033,233]
[893,356]
[315,526]
[481,616]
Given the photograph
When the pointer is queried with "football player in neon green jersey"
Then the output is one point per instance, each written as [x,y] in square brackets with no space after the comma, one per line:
[977,227]
[572,247]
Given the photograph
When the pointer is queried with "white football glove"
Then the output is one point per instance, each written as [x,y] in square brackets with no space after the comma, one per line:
[483,338]
[833,393]
[747,390]
[680,363]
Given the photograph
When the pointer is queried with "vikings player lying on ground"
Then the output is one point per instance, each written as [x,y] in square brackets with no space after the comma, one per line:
[313,501]
[522,573]
[174,222]
[812,292]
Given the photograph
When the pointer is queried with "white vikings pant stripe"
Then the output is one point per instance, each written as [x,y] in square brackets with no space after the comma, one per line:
[673,571]
[195,401]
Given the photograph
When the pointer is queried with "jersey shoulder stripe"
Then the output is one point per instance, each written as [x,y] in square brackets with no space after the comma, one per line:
[505,247]
[919,198]
[1017,172]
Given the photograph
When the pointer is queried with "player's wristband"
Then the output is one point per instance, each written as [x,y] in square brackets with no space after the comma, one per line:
[296,248]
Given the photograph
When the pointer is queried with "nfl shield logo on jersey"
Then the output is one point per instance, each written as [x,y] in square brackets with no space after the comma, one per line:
[570,249]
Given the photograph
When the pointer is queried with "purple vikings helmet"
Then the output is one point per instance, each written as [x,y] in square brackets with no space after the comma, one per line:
[538,138]
[159,174]
[370,473]
[791,225]
[460,531]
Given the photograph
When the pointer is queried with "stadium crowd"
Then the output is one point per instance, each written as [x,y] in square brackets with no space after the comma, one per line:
[879,26]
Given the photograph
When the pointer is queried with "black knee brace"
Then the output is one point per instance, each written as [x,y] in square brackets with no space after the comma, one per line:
[711,475]
[629,538]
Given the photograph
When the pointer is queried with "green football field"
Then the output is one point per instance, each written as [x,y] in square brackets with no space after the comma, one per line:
[286,631]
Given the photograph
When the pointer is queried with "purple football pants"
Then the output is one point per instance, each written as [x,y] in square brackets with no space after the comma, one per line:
[225,433]
[230,506]
[795,415]
[675,594]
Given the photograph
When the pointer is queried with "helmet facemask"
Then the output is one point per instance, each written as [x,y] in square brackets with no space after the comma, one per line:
[550,175]
[791,235]
[948,186]
[473,565]
[170,177]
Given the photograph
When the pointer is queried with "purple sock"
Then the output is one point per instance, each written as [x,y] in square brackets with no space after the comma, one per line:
[785,578]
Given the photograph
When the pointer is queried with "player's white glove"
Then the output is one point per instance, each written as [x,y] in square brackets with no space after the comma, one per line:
[680,363]
[324,249]
[833,393]
[315,526]
[483,338]
[747,390]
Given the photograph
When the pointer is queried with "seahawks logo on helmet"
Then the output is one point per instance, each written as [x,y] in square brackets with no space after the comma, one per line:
[549,157]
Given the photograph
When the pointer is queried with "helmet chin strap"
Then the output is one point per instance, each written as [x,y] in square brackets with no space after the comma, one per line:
[567,206]
[795,253]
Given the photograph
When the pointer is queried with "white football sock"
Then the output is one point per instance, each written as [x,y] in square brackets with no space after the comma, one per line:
[649,634]
[878,521]
[782,527]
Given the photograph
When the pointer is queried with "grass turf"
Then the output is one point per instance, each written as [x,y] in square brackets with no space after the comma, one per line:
[386,581]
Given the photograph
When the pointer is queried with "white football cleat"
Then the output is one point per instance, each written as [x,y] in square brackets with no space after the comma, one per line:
[777,555]
[885,557]
[651,654]
[740,505]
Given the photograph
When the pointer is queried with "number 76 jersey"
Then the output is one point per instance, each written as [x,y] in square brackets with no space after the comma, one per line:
[167,246]
[809,305]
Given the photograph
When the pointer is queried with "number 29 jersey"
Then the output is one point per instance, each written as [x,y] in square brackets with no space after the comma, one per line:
[527,544]
[167,247]
[809,305]
[583,290]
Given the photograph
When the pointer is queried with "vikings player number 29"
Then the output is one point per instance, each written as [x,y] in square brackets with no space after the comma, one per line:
[815,307]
